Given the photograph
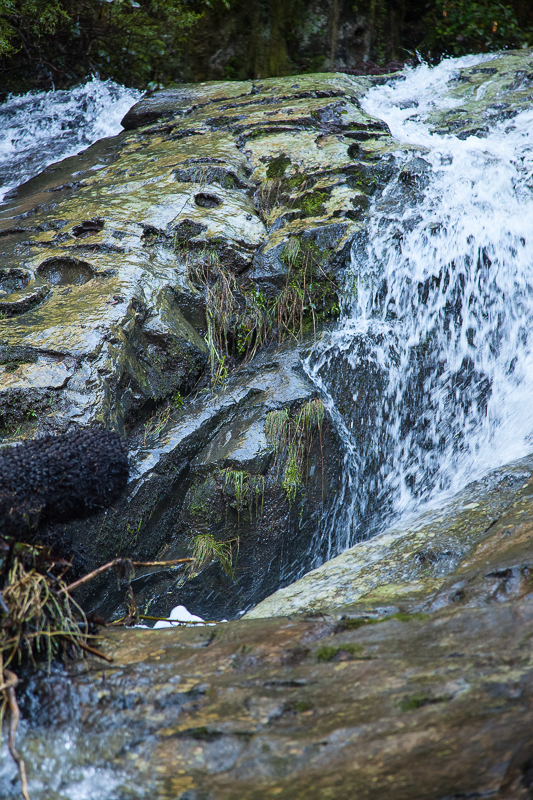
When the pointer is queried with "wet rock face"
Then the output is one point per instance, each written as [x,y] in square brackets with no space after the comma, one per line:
[476,549]
[157,262]
[483,94]
[214,471]
[411,667]
[435,705]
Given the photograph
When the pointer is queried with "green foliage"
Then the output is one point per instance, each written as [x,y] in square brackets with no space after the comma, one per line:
[154,42]
[133,41]
[34,18]
[237,481]
[177,401]
[458,27]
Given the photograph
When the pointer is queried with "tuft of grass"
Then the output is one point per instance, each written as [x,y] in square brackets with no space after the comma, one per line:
[292,479]
[177,401]
[205,550]
[241,319]
[292,436]
[247,490]
[237,481]
[277,424]
[36,619]
[155,424]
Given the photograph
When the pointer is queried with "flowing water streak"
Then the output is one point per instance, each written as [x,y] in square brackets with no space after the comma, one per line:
[40,128]
[429,374]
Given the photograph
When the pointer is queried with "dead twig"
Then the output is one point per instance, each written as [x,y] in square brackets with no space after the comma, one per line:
[9,689]
[118,562]
[89,649]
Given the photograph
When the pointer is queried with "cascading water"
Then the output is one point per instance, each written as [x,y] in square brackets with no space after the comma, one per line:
[429,374]
[39,128]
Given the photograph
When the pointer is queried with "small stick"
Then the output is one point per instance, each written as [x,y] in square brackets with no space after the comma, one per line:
[86,647]
[117,562]
[10,684]
[179,622]
[161,563]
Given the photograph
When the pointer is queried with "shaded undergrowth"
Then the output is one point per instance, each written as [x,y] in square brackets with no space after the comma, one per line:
[241,318]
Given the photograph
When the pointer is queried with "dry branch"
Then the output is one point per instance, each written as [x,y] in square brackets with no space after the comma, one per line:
[9,689]
[119,562]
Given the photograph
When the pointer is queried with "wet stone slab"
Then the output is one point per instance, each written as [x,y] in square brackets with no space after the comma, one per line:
[435,706]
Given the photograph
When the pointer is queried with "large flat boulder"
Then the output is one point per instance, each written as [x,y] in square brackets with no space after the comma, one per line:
[436,706]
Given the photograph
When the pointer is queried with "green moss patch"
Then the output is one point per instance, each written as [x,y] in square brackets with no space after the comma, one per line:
[334,652]
[278,167]
[420,700]
[313,204]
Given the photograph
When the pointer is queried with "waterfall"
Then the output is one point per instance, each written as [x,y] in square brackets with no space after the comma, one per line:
[40,128]
[429,373]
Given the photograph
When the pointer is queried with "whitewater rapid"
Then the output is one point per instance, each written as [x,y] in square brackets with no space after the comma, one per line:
[39,128]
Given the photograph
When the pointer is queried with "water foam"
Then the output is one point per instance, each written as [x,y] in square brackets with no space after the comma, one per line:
[40,128]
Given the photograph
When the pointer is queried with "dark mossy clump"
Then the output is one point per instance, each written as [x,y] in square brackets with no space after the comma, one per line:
[343,652]
[278,167]
[60,477]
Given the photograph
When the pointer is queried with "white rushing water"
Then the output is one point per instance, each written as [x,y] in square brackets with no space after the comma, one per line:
[434,347]
[39,128]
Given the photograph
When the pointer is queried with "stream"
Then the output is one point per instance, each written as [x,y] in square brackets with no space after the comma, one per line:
[40,128]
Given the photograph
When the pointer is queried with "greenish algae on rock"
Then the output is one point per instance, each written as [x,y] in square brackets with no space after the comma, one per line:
[108,259]
[105,244]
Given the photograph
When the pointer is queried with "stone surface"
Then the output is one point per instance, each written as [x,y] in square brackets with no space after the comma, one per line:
[108,259]
[100,250]
[436,706]
[413,670]
[181,488]
[493,91]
